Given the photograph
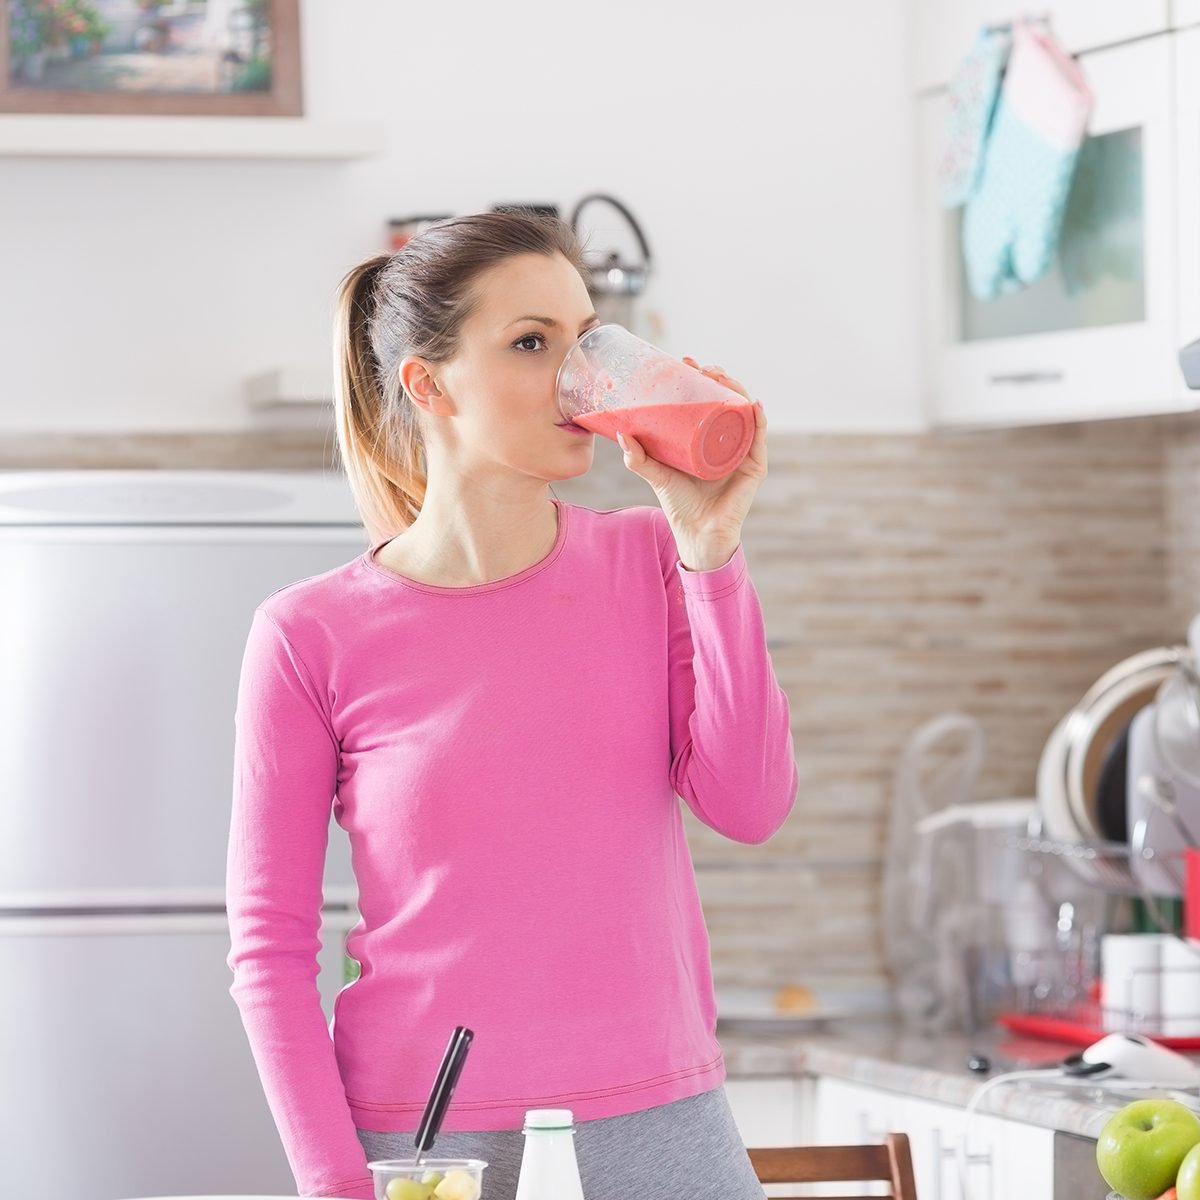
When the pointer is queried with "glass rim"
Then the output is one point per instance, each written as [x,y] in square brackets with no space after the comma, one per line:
[562,366]
[587,333]
[428,1164]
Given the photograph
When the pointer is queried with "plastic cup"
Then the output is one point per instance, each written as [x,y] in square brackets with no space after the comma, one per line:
[419,1182]
[612,381]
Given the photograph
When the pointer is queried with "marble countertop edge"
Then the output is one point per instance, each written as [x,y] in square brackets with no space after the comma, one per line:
[930,1067]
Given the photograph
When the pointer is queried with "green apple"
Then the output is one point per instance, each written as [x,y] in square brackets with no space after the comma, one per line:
[1187,1182]
[1141,1147]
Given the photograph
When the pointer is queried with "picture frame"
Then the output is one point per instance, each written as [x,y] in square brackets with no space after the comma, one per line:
[151,57]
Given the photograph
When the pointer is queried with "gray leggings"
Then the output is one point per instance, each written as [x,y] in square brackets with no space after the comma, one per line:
[689,1147]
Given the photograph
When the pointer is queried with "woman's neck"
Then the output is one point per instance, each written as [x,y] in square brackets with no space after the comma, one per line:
[465,545]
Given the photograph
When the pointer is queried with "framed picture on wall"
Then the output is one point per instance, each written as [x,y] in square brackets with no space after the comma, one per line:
[157,57]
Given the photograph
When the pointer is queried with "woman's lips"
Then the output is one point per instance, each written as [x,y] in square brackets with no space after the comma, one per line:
[571,427]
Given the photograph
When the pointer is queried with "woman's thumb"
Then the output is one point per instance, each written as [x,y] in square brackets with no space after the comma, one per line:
[636,458]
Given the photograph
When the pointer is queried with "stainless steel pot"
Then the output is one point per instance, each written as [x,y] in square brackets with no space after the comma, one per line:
[616,284]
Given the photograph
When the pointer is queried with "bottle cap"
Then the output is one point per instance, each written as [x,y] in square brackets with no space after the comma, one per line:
[549,1118]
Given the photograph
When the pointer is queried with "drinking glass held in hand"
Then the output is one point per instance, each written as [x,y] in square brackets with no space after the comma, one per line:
[614,382]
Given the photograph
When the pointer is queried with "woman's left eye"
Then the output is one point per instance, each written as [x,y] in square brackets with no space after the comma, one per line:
[529,337]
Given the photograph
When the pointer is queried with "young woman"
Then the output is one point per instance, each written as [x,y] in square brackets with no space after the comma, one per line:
[502,699]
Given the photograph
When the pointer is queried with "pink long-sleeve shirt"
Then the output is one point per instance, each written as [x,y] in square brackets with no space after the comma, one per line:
[506,760]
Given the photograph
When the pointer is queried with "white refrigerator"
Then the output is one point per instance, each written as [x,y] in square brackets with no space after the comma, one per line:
[125,602]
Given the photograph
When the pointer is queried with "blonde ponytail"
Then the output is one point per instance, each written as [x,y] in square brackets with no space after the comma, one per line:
[384,470]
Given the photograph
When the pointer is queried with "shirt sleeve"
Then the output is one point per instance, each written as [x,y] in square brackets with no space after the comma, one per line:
[732,755]
[284,780]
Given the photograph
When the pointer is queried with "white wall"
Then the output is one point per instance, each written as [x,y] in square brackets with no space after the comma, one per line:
[765,146]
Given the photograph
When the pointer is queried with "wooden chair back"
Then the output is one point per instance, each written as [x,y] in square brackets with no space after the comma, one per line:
[889,1161]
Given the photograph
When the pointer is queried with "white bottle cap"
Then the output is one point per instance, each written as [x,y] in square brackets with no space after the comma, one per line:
[549,1118]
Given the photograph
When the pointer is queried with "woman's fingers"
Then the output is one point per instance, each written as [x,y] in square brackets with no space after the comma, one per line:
[717,373]
[710,368]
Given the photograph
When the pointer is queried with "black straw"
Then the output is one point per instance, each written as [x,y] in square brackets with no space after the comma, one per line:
[443,1088]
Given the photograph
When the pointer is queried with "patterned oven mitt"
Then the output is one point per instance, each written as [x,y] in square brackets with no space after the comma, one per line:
[972,104]
[1013,220]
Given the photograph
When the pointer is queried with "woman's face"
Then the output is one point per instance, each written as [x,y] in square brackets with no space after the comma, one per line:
[497,402]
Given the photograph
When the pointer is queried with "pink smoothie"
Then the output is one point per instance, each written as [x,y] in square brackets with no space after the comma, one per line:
[706,438]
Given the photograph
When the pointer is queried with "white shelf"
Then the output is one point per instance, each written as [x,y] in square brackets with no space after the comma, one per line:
[51,135]
[299,385]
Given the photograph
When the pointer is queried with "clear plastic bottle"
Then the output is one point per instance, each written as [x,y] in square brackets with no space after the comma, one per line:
[548,1167]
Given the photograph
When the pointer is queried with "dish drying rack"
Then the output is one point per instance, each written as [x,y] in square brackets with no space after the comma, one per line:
[1087,1021]
[1109,866]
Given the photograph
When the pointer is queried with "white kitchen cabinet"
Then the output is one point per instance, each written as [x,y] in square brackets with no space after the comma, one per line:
[770,1112]
[847,1113]
[766,1111]
[1025,1166]
[1083,25]
[1185,12]
[1007,1158]
[1187,129]
[1097,336]
[850,1113]
[1004,1158]
[944,30]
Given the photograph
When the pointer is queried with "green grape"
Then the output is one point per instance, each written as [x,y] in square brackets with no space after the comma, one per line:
[406,1189]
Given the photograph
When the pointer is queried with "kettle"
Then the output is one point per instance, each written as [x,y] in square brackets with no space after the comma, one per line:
[615,284]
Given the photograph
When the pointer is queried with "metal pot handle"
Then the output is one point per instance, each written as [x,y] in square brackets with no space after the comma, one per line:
[637,229]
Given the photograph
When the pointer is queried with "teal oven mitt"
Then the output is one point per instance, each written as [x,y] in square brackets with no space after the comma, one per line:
[1012,222]
[971,105]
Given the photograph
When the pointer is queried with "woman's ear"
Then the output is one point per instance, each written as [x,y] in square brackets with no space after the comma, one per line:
[418,380]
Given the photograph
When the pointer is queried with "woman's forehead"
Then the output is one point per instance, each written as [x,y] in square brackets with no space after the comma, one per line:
[533,284]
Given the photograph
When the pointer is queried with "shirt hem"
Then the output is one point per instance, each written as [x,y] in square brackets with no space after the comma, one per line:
[350,1187]
[477,1116]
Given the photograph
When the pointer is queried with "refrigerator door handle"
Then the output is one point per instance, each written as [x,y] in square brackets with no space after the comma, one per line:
[131,924]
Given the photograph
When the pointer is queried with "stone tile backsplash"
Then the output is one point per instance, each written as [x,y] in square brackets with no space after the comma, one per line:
[997,573]
[1181,475]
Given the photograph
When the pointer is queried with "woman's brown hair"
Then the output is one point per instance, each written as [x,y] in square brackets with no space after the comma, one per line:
[415,301]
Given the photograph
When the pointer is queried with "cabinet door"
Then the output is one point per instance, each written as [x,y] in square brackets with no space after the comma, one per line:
[849,1113]
[935,1134]
[1096,336]
[1024,1163]
[1185,12]
[943,33]
[1004,1158]
[944,30]
[1007,1160]
[767,1113]
[1083,25]
[1187,126]
[806,1110]
[765,1110]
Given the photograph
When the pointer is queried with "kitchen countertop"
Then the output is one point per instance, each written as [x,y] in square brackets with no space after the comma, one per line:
[882,1054]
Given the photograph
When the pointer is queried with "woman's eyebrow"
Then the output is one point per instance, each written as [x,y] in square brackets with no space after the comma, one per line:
[551,321]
